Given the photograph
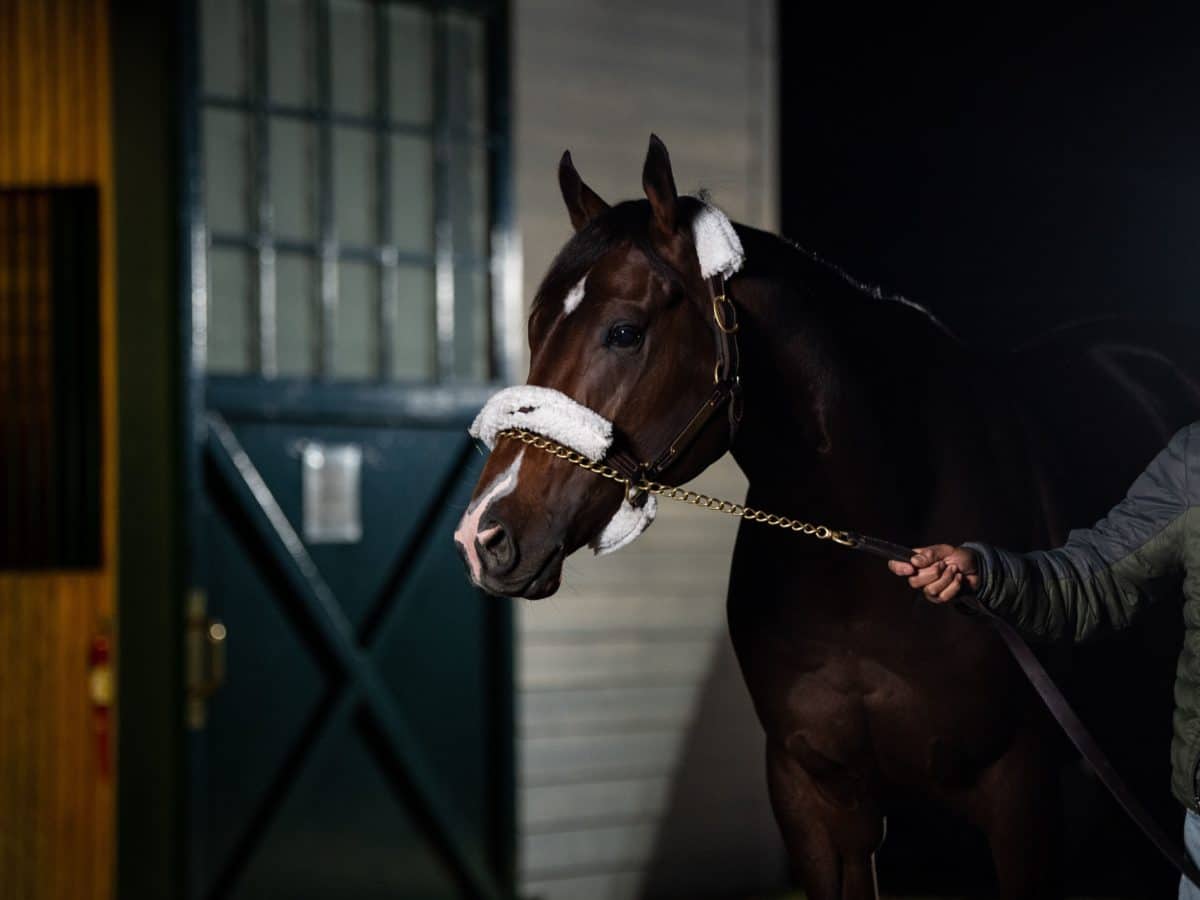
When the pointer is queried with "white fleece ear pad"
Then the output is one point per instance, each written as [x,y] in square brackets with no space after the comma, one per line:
[717,245]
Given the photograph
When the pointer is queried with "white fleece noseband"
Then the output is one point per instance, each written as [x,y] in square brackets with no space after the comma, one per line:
[547,412]
[553,414]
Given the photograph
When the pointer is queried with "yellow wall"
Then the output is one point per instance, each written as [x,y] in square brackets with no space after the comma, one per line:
[56,807]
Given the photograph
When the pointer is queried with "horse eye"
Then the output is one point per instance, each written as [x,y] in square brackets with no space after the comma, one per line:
[624,335]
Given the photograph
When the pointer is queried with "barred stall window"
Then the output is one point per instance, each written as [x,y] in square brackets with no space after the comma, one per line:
[345,157]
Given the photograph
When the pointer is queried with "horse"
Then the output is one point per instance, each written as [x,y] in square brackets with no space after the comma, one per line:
[855,408]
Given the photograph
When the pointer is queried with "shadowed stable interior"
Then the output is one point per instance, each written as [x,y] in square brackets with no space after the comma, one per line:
[1013,170]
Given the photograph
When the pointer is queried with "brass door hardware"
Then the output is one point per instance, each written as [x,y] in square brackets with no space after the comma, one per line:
[204,652]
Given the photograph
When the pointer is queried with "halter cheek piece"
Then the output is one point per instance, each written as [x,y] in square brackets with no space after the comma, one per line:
[726,393]
[719,252]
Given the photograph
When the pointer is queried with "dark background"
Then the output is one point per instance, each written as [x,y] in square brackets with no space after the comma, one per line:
[1010,170]
[1013,171]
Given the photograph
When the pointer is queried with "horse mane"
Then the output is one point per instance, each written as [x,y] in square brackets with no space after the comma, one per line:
[798,258]
[628,222]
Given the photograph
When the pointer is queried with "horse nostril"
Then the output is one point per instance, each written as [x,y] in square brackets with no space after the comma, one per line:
[497,551]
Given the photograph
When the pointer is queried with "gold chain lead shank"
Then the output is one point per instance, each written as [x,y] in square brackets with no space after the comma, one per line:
[683,495]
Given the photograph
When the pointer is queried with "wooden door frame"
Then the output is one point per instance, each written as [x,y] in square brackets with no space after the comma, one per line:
[150,577]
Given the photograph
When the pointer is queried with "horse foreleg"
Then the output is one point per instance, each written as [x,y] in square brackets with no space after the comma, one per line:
[831,843]
[1016,804]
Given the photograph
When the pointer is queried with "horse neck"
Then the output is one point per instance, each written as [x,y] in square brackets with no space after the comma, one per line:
[824,430]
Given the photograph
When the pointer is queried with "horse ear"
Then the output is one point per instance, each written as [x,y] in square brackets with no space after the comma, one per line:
[659,185]
[583,203]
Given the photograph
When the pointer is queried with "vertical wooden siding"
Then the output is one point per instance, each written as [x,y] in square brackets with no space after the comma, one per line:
[56,809]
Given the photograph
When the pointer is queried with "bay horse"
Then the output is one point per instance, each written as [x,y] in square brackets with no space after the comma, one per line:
[861,411]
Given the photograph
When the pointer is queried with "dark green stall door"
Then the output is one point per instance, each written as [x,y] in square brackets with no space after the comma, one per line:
[344,195]
[359,745]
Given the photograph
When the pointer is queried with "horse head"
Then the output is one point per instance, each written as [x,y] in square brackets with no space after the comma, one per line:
[621,333]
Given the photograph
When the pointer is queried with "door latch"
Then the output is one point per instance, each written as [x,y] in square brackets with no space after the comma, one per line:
[204,651]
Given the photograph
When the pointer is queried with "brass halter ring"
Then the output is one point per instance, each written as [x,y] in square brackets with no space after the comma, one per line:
[718,316]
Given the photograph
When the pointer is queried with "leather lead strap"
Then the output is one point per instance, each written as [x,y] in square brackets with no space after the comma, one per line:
[1066,717]
[1079,735]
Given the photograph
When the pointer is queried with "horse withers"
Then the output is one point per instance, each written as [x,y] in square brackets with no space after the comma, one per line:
[855,409]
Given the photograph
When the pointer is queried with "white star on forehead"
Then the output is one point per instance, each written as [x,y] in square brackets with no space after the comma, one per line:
[574,297]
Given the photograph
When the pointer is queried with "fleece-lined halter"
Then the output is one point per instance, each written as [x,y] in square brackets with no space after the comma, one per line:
[553,414]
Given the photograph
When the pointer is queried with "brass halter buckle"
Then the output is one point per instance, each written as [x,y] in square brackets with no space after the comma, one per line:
[722,318]
[635,489]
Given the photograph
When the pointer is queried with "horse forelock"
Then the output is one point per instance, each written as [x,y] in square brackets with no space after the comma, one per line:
[625,224]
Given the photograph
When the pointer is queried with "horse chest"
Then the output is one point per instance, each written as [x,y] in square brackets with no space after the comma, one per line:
[908,695]
[852,721]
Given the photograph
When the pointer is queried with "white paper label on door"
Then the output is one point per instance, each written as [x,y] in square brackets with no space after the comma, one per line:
[332,493]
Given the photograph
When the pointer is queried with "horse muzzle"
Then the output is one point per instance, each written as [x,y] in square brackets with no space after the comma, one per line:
[505,572]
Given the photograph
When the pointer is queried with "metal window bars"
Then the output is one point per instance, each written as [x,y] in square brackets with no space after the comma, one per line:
[451,257]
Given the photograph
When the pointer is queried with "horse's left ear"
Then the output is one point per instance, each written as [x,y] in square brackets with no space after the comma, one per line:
[659,184]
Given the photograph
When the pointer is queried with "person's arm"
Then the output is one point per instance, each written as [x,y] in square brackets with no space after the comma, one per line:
[1100,578]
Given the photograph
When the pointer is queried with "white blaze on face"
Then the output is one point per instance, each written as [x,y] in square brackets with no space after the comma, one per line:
[467,534]
[574,297]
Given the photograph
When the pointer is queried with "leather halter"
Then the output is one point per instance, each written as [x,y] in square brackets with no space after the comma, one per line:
[727,392]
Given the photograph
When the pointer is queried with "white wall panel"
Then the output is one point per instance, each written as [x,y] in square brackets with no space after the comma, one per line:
[552,712]
[563,806]
[604,886]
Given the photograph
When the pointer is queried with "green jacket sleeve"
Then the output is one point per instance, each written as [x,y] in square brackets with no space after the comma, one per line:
[1104,575]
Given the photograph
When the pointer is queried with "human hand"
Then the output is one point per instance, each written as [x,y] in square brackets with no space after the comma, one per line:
[940,571]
